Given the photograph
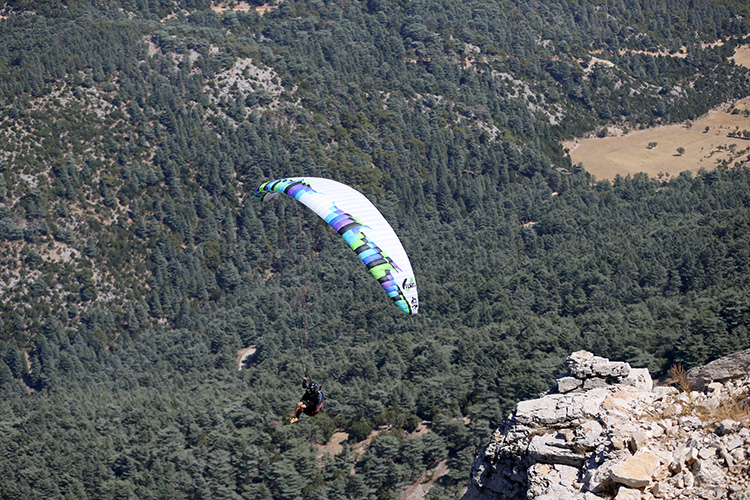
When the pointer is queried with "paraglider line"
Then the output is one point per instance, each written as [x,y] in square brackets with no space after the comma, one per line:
[303,292]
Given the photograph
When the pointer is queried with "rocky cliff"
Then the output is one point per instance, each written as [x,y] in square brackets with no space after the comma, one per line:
[607,432]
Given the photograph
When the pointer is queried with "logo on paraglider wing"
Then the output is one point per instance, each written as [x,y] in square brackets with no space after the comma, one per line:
[408,284]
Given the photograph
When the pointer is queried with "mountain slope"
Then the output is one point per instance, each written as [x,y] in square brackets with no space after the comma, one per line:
[135,261]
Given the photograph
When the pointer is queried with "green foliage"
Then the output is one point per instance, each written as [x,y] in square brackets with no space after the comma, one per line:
[359,431]
[135,262]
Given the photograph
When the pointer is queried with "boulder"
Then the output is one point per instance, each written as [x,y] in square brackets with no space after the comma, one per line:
[589,435]
[628,494]
[567,384]
[640,378]
[557,408]
[554,449]
[735,365]
[594,383]
[583,365]
[636,471]
[709,474]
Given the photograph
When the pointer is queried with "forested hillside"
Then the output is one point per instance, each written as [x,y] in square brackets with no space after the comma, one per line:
[135,261]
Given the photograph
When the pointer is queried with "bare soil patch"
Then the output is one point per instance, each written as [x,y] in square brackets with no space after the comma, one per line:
[333,446]
[26,378]
[245,356]
[742,56]
[415,491]
[705,143]
[360,448]
[419,490]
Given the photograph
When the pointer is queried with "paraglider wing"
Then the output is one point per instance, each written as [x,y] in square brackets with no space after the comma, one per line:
[363,227]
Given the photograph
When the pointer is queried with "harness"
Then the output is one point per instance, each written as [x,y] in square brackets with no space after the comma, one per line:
[314,403]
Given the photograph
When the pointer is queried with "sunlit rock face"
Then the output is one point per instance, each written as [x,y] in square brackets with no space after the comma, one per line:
[606,431]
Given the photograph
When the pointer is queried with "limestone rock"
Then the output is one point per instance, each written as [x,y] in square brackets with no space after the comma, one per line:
[584,365]
[735,365]
[636,471]
[727,426]
[708,474]
[557,408]
[554,482]
[594,383]
[589,435]
[640,378]
[555,449]
[628,494]
[623,437]
[736,443]
[567,384]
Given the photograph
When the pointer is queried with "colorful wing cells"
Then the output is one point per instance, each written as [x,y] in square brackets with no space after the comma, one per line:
[361,225]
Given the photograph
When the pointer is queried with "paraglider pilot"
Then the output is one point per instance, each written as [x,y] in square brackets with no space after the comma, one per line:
[311,402]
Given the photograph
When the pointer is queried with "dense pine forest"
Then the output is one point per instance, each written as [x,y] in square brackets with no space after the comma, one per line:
[135,261]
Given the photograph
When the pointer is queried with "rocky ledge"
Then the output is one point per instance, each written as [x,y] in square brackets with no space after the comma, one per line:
[608,433]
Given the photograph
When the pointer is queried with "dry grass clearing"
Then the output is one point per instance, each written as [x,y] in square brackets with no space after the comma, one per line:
[635,152]
[742,56]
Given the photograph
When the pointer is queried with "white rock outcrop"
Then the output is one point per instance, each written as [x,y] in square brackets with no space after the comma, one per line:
[608,433]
